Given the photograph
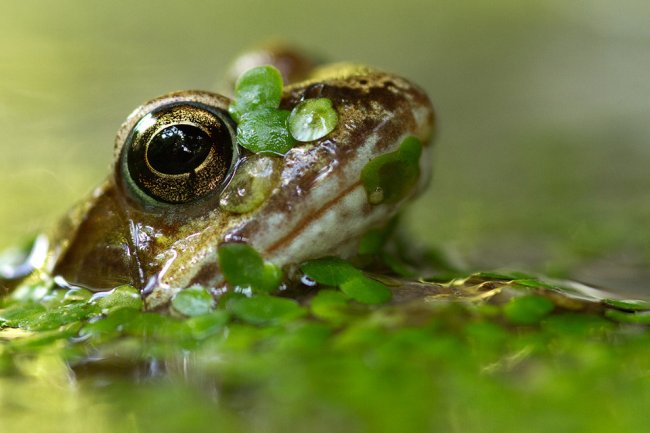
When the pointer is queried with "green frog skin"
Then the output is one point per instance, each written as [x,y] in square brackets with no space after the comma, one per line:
[159,229]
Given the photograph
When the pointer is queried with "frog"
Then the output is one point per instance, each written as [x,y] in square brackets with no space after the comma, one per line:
[181,185]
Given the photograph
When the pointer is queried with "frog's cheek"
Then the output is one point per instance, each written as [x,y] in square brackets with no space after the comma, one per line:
[95,253]
[96,267]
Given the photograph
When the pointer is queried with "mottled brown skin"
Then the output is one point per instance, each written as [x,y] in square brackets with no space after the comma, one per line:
[318,206]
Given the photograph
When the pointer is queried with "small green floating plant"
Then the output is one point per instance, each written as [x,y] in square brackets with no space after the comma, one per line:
[336,272]
[257,89]
[347,296]
[340,342]
[262,127]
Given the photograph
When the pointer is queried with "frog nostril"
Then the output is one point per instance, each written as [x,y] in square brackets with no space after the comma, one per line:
[314,91]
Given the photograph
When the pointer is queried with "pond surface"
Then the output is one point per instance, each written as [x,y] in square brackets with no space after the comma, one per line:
[516,353]
[541,166]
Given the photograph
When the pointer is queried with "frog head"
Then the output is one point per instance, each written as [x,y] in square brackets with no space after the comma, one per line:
[181,183]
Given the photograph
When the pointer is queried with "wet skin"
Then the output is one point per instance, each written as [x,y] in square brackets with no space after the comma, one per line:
[156,223]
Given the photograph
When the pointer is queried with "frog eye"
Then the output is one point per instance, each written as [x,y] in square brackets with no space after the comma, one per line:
[179,152]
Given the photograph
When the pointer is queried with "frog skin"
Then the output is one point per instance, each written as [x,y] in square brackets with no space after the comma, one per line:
[314,203]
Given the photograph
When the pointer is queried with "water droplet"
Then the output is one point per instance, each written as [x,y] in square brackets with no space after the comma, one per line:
[377,196]
[251,185]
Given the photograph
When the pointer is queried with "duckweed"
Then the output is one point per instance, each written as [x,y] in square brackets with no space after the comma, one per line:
[262,127]
[390,177]
[204,325]
[637,317]
[628,304]
[264,309]
[193,301]
[120,297]
[330,271]
[330,305]
[244,268]
[366,290]
[265,131]
[267,358]
[333,271]
[258,88]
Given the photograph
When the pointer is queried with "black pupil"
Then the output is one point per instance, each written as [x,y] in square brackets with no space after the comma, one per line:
[178,149]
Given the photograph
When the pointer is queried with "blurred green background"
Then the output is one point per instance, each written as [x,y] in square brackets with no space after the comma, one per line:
[542,153]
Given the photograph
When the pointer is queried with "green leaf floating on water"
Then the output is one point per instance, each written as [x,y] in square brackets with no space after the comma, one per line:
[329,305]
[330,271]
[207,324]
[366,290]
[628,304]
[333,271]
[120,297]
[243,267]
[37,317]
[390,177]
[265,131]
[257,88]
[638,317]
[193,301]
[264,309]
[312,119]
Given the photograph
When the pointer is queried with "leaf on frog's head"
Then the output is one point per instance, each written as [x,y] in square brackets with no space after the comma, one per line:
[263,127]
[258,88]
[265,131]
